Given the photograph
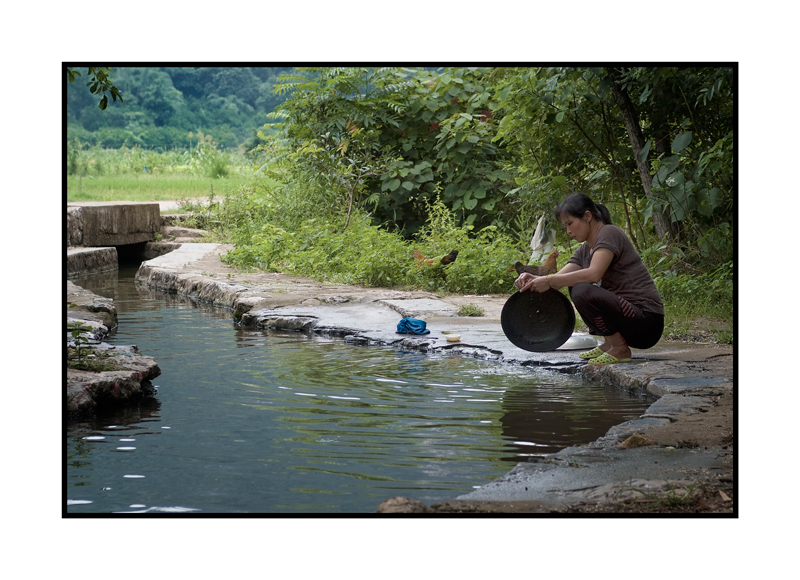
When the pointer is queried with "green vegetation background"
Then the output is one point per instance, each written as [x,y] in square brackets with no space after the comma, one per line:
[341,173]
[163,105]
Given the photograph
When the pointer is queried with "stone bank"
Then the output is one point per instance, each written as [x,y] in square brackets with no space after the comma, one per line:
[98,235]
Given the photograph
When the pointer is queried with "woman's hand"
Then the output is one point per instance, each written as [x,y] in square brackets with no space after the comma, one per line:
[528,281]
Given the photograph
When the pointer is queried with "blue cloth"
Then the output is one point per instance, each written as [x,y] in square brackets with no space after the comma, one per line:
[412,326]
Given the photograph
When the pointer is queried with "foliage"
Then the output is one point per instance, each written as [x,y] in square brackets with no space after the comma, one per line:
[209,161]
[364,253]
[432,131]
[360,254]
[567,133]
[99,83]
[711,290]
[163,104]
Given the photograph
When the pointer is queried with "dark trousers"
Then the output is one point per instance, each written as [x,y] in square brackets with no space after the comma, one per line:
[606,314]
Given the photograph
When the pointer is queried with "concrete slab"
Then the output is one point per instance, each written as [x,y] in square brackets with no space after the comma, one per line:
[182,257]
[97,224]
[415,308]
[577,475]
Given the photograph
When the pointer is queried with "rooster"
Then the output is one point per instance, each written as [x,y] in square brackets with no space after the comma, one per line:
[448,259]
[549,266]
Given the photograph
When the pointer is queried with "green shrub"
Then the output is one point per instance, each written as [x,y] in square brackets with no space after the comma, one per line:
[709,293]
[364,253]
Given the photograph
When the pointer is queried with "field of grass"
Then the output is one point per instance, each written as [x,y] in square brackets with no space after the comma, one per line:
[136,174]
[156,187]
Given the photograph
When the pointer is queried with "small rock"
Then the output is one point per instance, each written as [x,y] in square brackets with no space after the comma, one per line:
[402,505]
[637,440]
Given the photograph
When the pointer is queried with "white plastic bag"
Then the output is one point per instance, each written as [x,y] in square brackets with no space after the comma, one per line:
[542,242]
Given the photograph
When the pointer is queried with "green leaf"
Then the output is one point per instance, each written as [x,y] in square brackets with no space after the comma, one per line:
[104,102]
[715,197]
[648,212]
[559,116]
[426,175]
[488,205]
[394,184]
[408,185]
[645,94]
[704,207]
[604,87]
[645,150]
[470,204]
[675,179]
[681,141]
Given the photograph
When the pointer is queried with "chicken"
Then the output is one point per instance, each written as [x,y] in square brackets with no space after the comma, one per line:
[448,259]
[549,266]
[422,259]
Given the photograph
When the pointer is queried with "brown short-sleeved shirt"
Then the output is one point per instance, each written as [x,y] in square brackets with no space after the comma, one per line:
[627,276]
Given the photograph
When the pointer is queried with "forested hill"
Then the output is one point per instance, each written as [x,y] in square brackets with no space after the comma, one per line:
[164,105]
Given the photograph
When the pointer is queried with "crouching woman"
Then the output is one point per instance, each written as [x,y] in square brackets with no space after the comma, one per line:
[608,282]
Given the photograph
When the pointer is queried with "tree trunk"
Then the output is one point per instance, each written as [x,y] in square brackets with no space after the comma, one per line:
[631,119]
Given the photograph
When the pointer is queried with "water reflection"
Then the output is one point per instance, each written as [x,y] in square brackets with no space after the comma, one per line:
[547,417]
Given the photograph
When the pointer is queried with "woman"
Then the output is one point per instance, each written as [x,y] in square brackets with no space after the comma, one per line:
[608,282]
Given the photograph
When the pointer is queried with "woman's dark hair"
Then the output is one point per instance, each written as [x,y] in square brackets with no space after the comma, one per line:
[577,204]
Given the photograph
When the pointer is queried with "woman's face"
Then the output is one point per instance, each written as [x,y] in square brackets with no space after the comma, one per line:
[577,228]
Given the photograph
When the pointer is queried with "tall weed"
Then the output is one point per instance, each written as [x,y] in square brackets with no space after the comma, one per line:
[364,253]
[710,293]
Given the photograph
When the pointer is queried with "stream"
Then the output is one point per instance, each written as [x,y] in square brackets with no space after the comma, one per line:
[282,423]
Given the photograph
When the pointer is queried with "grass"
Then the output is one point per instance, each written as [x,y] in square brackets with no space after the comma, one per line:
[470,310]
[148,187]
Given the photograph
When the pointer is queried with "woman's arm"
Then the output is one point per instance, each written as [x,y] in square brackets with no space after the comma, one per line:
[569,275]
[525,280]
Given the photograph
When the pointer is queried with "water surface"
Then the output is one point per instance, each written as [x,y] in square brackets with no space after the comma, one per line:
[270,422]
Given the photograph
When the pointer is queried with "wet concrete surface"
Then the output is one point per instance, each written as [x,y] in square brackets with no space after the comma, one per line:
[689,379]
[578,475]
